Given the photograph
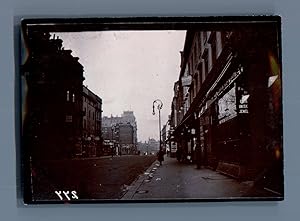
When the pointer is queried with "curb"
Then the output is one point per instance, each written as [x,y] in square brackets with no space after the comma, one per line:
[135,185]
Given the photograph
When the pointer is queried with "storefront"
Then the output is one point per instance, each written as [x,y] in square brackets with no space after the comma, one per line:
[223,128]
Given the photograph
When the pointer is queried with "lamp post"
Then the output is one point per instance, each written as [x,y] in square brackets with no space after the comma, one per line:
[112,141]
[159,104]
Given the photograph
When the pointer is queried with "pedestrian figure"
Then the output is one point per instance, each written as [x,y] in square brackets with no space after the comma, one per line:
[112,152]
[160,156]
[178,155]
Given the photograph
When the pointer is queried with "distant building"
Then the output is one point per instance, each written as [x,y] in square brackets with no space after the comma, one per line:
[121,131]
[126,133]
[150,147]
[92,111]
[126,117]
[153,145]
[126,138]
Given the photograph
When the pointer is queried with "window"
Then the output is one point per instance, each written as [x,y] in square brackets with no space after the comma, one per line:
[204,36]
[199,44]
[196,82]
[213,49]
[206,66]
[68,95]
[73,98]
[195,56]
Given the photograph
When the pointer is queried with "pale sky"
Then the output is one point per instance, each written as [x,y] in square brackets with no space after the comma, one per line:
[129,70]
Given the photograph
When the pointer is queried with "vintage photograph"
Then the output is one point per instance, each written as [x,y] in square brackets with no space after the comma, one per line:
[151,109]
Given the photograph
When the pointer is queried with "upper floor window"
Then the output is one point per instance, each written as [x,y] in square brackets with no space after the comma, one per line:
[68,95]
[196,83]
[213,43]
[84,124]
[204,37]
[206,66]
[195,56]
[199,44]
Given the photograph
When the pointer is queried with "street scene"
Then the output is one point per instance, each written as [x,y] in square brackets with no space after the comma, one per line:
[185,114]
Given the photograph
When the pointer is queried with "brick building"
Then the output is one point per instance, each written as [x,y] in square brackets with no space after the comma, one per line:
[52,79]
[226,111]
[121,131]
[91,121]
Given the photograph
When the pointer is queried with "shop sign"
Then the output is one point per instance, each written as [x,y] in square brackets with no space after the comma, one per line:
[233,77]
[173,147]
[243,103]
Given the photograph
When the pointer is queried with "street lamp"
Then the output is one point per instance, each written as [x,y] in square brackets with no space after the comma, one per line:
[159,104]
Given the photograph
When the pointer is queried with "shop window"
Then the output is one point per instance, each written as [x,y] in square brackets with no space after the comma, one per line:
[227,106]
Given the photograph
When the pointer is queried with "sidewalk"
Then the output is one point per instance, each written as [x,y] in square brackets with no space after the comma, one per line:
[174,180]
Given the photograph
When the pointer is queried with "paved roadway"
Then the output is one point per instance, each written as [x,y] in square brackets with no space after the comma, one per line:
[175,180]
[97,178]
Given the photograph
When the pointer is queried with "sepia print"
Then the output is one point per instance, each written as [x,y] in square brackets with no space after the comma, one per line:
[151,109]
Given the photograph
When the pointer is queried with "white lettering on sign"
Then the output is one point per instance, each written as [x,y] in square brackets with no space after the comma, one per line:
[243,106]
[244,111]
[67,194]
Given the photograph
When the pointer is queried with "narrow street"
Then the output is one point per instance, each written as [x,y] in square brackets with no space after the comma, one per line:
[211,97]
[174,180]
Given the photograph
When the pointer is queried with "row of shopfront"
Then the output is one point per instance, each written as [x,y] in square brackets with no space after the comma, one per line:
[234,122]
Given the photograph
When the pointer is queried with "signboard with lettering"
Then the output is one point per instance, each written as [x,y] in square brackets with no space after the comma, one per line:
[243,96]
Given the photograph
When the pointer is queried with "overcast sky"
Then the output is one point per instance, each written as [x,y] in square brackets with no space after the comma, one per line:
[129,70]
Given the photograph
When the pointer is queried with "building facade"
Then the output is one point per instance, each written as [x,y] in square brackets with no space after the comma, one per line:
[91,122]
[52,79]
[120,133]
[226,111]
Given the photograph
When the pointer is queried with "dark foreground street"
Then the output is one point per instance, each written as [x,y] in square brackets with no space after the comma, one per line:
[137,178]
[175,180]
[102,178]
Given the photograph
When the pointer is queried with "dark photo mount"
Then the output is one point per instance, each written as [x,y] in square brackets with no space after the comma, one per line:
[216,133]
